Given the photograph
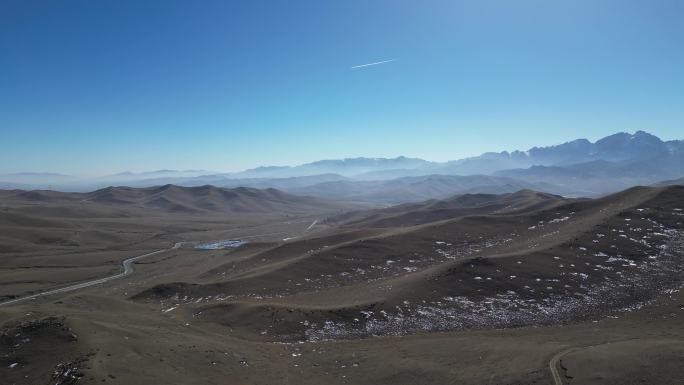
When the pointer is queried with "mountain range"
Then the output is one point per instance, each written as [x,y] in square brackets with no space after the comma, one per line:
[576,168]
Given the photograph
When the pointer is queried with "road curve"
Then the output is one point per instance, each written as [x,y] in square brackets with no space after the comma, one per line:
[554,361]
[127,265]
[553,366]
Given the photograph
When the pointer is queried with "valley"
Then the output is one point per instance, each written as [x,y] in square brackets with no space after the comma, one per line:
[341,193]
[477,288]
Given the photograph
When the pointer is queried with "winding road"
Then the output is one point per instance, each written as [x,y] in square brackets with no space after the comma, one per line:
[127,265]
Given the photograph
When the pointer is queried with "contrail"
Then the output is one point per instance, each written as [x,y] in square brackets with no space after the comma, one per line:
[373,64]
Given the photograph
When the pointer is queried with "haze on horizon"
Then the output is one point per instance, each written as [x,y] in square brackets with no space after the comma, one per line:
[94,88]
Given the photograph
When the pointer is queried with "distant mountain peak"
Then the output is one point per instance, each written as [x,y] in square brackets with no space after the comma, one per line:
[564,164]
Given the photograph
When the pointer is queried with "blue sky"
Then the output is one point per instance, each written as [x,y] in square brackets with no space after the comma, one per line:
[95,87]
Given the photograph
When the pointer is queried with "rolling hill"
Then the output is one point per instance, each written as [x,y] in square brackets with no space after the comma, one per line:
[470,261]
[415,189]
[177,199]
[411,214]
[50,220]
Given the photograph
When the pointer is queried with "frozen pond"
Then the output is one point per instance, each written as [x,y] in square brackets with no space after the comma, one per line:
[227,244]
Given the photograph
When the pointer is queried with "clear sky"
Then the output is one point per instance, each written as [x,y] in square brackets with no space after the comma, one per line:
[95,87]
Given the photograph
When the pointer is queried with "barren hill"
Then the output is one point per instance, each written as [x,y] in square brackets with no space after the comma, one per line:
[171,198]
[34,220]
[523,259]
[411,214]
